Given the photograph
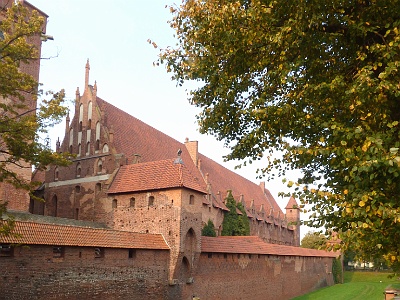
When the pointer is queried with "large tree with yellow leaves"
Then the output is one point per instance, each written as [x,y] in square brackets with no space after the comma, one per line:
[20,125]
[318,81]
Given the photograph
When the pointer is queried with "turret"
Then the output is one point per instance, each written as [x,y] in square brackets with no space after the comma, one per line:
[293,218]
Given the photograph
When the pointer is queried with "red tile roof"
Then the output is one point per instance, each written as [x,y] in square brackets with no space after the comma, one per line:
[32,233]
[222,179]
[292,203]
[255,245]
[155,175]
[134,137]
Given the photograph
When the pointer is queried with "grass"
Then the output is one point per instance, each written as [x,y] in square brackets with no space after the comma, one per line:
[356,286]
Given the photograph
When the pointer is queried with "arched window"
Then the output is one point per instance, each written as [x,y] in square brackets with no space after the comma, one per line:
[71,139]
[97,146]
[151,200]
[80,116]
[114,203]
[55,205]
[132,202]
[191,200]
[89,114]
[78,170]
[99,166]
[77,189]
[56,172]
[105,148]
[79,149]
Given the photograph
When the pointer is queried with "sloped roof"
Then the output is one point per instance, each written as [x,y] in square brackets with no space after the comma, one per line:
[292,203]
[255,245]
[155,175]
[222,179]
[32,233]
[134,137]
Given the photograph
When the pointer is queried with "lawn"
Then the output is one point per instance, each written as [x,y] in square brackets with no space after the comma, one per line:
[357,285]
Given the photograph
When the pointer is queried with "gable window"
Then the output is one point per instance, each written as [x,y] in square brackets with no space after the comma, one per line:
[98,252]
[58,251]
[191,200]
[151,200]
[97,144]
[89,114]
[6,250]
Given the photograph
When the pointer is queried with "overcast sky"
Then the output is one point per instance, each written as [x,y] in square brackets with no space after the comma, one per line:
[113,36]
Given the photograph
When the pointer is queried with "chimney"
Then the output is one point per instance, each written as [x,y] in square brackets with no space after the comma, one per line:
[192,148]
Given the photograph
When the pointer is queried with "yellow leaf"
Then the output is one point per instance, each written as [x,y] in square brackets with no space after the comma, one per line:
[361,203]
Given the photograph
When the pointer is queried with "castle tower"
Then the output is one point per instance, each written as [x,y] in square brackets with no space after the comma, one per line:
[293,218]
[18,199]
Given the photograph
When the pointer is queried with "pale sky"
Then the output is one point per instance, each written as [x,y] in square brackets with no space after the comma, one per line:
[113,36]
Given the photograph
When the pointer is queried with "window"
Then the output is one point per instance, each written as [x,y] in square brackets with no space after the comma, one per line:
[132,253]
[87,148]
[89,114]
[58,251]
[191,200]
[97,145]
[105,148]
[77,189]
[99,166]
[56,174]
[98,252]
[71,139]
[79,149]
[78,170]
[76,213]
[114,203]
[55,204]
[98,188]
[80,126]
[151,200]
[6,250]
[132,202]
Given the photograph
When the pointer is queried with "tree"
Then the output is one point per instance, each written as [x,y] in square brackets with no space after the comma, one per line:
[317,82]
[208,229]
[234,223]
[314,240]
[20,125]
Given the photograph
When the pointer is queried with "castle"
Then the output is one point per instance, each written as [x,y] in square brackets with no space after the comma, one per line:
[124,221]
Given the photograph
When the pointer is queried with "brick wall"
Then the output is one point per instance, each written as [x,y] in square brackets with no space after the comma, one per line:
[34,273]
[243,276]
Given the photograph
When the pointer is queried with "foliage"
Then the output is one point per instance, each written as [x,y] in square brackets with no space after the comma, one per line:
[208,229]
[20,126]
[314,240]
[337,270]
[317,82]
[234,223]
